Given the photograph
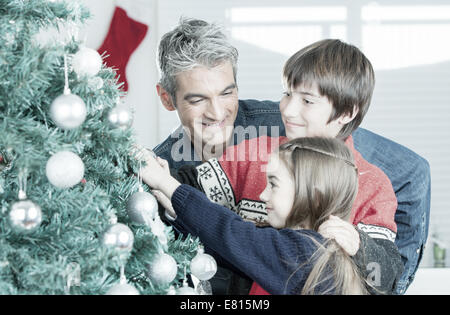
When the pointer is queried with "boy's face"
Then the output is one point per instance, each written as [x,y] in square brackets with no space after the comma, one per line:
[279,192]
[305,113]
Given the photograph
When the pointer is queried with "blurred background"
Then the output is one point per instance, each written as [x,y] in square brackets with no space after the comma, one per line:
[406,41]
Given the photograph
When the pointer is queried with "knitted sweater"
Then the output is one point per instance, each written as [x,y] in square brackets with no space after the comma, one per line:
[238,177]
[279,260]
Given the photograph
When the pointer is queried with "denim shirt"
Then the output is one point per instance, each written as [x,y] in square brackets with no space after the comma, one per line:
[254,119]
[409,174]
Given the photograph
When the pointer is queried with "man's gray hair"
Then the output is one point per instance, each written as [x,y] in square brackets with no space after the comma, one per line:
[192,43]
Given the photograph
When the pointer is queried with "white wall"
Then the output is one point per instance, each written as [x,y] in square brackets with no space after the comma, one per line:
[406,46]
[141,69]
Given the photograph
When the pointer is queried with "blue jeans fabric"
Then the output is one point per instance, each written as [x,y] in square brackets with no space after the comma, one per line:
[409,174]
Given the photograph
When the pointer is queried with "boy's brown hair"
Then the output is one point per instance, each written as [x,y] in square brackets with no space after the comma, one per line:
[342,73]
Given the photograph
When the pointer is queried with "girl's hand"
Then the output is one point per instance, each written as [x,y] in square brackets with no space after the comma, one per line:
[343,232]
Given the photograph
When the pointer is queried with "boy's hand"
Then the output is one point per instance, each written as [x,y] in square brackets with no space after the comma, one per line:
[343,232]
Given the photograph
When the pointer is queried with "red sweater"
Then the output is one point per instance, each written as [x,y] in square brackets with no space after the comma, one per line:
[238,178]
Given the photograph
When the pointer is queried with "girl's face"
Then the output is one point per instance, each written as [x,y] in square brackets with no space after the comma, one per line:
[279,193]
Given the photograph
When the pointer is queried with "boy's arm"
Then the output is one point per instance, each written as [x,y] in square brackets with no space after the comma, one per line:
[380,264]
[378,260]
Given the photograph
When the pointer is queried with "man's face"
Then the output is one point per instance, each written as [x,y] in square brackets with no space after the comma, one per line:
[207,103]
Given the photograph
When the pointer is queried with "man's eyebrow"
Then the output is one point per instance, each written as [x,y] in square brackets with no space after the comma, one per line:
[192,95]
[231,86]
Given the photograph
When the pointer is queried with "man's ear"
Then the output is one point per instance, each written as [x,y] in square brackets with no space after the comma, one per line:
[346,118]
[165,97]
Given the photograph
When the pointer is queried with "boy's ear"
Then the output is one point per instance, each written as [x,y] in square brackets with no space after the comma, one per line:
[346,118]
[165,97]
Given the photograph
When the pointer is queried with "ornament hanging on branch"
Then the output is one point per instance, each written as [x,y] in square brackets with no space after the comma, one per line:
[120,237]
[25,216]
[203,266]
[163,269]
[120,116]
[68,111]
[123,288]
[64,169]
[142,207]
[87,62]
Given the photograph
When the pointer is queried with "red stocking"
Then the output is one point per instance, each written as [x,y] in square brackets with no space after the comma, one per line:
[124,36]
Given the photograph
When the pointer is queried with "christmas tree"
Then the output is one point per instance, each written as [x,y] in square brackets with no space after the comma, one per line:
[74,219]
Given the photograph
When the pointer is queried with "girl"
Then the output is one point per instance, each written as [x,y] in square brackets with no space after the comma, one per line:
[308,180]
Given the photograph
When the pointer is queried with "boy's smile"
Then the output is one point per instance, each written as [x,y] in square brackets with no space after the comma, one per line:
[305,113]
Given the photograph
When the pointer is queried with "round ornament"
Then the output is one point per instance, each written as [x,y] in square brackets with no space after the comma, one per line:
[25,216]
[120,237]
[142,207]
[186,290]
[68,111]
[87,62]
[64,169]
[120,117]
[163,269]
[203,266]
[95,83]
[123,289]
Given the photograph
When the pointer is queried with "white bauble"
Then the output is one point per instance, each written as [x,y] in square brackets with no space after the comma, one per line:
[142,207]
[120,117]
[87,62]
[186,290]
[120,237]
[163,269]
[64,169]
[68,111]
[203,266]
[123,289]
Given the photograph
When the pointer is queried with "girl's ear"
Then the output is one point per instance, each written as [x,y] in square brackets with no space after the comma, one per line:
[165,97]
[346,118]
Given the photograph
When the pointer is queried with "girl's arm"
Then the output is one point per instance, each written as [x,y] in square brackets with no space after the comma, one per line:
[277,259]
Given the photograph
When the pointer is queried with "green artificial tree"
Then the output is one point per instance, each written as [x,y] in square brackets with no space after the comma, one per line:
[74,219]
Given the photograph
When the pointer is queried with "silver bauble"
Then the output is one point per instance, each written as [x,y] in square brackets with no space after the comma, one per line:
[68,111]
[186,290]
[120,237]
[64,169]
[142,207]
[123,289]
[25,216]
[87,62]
[163,269]
[120,117]
[203,266]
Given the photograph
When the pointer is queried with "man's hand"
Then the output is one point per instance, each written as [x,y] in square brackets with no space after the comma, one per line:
[166,203]
[156,172]
[343,232]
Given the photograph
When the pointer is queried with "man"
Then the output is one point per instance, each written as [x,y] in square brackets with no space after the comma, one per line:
[198,80]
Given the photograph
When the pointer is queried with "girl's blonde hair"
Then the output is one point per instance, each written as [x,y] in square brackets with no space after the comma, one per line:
[326,183]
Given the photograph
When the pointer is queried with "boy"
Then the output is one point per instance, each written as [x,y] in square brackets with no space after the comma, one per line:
[329,85]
